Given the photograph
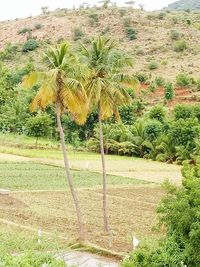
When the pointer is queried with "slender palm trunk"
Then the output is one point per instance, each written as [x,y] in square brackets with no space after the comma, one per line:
[81,229]
[105,202]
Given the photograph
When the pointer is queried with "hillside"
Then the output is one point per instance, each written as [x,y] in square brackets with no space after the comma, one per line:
[184,5]
[163,44]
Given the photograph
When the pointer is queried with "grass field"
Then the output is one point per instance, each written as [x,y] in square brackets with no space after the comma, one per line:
[132,206]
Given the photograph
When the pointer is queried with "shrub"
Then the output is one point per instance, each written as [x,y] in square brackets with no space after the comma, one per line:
[93,19]
[127,22]
[106,30]
[183,80]
[161,15]
[78,34]
[39,126]
[157,112]
[159,81]
[179,214]
[142,77]
[38,26]
[30,45]
[152,87]
[180,46]
[169,91]
[182,111]
[131,33]
[24,30]
[153,130]
[153,65]
[198,84]
[175,35]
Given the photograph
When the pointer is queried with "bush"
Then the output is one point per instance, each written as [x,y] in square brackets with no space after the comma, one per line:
[159,81]
[179,214]
[142,77]
[153,65]
[161,15]
[198,84]
[157,112]
[39,126]
[180,46]
[24,30]
[182,112]
[131,33]
[78,34]
[30,45]
[127,22]
[183,80]
[175,35]
[38,26]
[93,19]
[153,129]
[169,91]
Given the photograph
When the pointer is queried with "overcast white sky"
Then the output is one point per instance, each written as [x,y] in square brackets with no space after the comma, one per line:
[11,9]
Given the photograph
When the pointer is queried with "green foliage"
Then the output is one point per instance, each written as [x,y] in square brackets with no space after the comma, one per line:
[30,45]
[9,52]
[169,91]
[182,111]
[31,260]
[157,112]
[198,84]
[153,129]
[153,65]
[159,81]
[77,34]
[179,214]
[161,15]
[93,19]
[183,80]
[38,26]
[175,35]
[131,33]
[180,46]
[24,30]
[142,77]
[39,126]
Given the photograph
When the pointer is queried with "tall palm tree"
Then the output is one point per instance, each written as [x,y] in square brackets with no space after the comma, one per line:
[59,86]
[107,89]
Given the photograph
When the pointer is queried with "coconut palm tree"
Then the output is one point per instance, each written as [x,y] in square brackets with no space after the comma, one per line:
[107,88]
[59,86]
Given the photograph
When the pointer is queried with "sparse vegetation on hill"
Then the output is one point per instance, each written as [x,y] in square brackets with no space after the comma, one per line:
[186,5]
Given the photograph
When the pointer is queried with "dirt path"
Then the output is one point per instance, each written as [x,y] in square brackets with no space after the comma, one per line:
[133,168]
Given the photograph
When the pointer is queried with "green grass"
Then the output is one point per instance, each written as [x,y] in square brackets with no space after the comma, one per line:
[35,176]
[14,240]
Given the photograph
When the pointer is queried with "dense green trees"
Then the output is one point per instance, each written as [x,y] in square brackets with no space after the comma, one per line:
[179,213]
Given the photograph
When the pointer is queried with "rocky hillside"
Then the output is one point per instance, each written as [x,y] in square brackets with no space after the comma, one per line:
[162,43]
[184,5]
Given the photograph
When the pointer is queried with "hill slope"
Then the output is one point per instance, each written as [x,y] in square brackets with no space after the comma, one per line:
[153,41]
[185,4]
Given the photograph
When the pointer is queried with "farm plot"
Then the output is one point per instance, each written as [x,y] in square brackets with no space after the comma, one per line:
[131,210]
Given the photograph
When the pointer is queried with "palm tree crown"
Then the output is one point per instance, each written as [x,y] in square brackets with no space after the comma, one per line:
[59,83]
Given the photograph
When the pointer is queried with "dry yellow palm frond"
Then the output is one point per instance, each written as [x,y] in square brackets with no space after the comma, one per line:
[44,97]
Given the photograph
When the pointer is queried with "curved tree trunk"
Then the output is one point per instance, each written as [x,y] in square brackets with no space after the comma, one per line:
[81,229]
[105,202]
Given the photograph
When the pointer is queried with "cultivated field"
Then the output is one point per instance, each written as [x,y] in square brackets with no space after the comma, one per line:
[40,200]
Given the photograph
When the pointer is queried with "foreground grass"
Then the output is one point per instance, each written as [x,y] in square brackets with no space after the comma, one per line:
[35,176]
[15,240]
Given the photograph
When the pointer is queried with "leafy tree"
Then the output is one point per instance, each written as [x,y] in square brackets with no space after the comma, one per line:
[39,126]
[59,86]
[179,214]
[107,89]
[182,111]
[157,112]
